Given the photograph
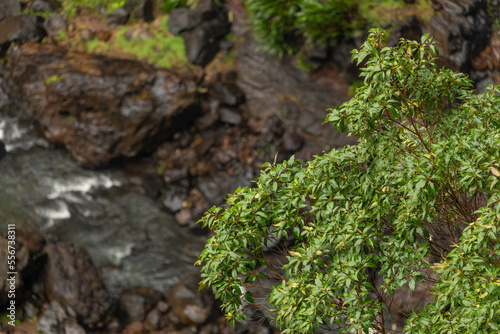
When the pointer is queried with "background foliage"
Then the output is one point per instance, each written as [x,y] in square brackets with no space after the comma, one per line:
[283,25]
[326,244]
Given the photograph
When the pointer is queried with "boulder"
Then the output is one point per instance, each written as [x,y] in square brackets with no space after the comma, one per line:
[206,10]
[56,320]
[202,27]
[3,150]
[47,6]
[72,281]
[54,24]
[202,42]
[174,197]
[98,107]
[230,117]
[9,8]
[227,93]
[180,20]
[30,259]
[134,304]
[118,16]
[145,10]
[463,29]
[19,29]
[189,306]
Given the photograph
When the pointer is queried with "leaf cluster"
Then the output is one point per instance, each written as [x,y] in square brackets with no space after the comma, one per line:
[354,225]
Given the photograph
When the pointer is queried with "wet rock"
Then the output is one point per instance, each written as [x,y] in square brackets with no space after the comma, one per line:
[227,93]
[230,117]
[483,84]
[3,151]
[175,175]
[202,42]
[134,304]
[409,28]
[210,116]
[174,197]
[184,139]
[180,20]
[98,107]
[190,306]
[152,321]
[30,259]
[19,29]
[72,280]
[118,16]
[54,24]
[202,27]
[291,142]
[184,217]
[206,10]
[9,8]
[267,82]
[47,6]
[463,29]
[185,159]
[135,328]
[215,186]
[56,320]
[489,58]
[313,56]
[145,10]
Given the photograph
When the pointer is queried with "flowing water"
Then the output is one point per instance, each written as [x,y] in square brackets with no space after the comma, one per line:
[130,238]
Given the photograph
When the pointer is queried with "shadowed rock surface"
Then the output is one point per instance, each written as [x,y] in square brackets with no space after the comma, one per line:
[72,281]
[9,8]
[463,29]
[100,108]
[30,258]
[19,29]
[135,303]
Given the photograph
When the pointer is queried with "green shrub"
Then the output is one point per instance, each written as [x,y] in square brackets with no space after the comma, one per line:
[326,22]
[282,25]
[275,23]
[418,192]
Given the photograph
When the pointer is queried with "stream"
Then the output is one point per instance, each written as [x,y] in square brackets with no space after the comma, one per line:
[131,240]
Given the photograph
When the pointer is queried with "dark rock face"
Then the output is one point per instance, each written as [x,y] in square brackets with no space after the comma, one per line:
[3,151]
[135,303]
[202,43]
[56,320]
[174,197]
[118,16]
[463,28]
[203,28]
[45,6]
[181,20]
[145,10]
[54,24]
[9,8]
[100,108]
[30,259]
[189,306]
[20,29]
[274,87]
[72,281]
[227,93]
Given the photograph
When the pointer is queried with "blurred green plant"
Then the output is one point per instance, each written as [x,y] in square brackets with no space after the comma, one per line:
[70,7]
[283,25]
[169,5]
[160,49]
